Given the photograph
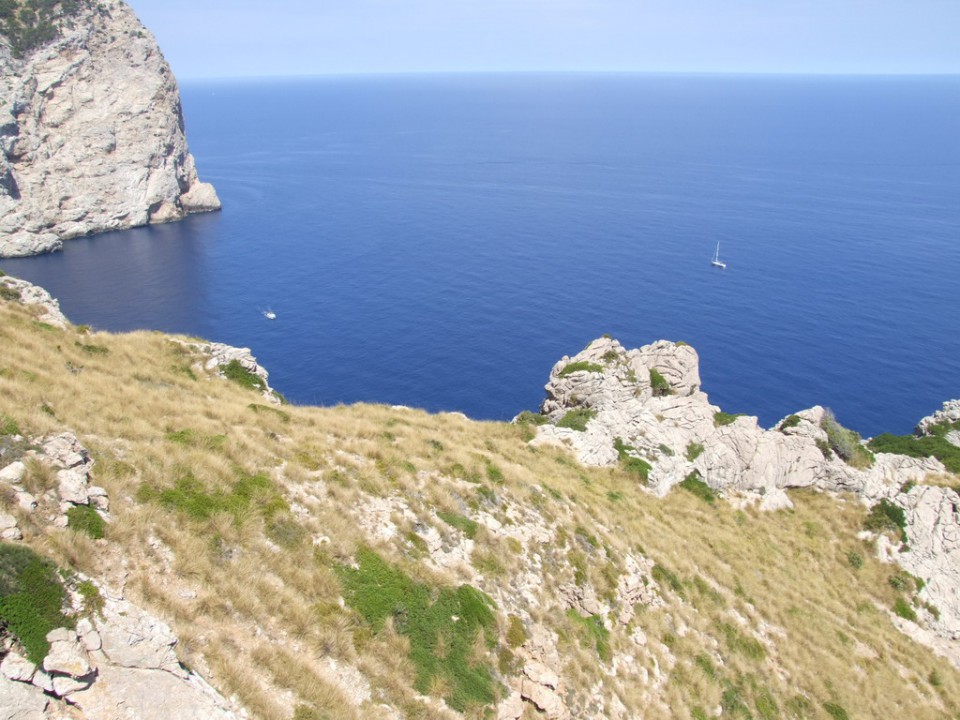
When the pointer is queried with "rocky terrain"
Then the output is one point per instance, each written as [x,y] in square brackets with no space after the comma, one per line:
[633,552]
[91,132]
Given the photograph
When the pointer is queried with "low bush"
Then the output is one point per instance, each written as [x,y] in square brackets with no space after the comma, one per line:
[31,599]
[8,426]
[233,370]
[577,419]
[593,631]
[631,464]
[9,293]
[530,418]
[723,418]
[581,366]
[885,516]
[930,446]
[790,422]
[28,25]
[694,485]
[443,626]
[694,450]
[846,443]
[516,632]
[659,384]
[464,524]
[86,519]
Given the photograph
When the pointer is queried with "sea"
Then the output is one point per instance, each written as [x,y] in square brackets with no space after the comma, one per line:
[441,241]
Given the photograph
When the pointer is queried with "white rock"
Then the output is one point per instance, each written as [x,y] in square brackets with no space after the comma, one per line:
[66,656]
[133,638]
[17,667]
[64,450]
[511,708]
[13,473]
[775,500]
[19,701]
[72,486]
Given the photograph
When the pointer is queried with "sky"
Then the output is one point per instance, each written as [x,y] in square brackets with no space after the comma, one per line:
[250,38]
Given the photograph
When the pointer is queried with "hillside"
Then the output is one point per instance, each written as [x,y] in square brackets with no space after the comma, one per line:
[378,562]
[91,128]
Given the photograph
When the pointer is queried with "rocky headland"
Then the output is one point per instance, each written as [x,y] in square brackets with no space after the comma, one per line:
[91,129]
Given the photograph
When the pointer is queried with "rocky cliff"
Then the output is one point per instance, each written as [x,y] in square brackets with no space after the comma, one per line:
[91,130]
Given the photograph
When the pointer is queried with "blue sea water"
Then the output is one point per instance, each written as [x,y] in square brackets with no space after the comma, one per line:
[441,241]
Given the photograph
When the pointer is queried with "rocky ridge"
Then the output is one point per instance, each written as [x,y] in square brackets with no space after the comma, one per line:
[646,405]
[91,135]
[118,660]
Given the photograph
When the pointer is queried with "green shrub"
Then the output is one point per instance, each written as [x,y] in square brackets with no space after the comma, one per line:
[193,498]
[9,293]
[581,366]
[693,484]
[665,576]
[516,632]
[723,418]
[31,599]
[464,524]
[855,559]
[885,516]
[233,370]
[902,609]
[836,711]
[577,419]
[92,599]
[694,450]
[743,644]
[8,426]
[594,631]
[85,519]
[659,384]
[611,356]
[285,531]
[442,625]
[529,418]
[789,422]
[666,450]
[846,443]
[933,446]
[33,23]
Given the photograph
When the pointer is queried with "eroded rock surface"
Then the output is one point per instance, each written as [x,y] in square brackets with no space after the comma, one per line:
[91,135]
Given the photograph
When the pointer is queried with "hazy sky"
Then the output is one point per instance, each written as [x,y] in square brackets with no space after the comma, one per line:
[220,38]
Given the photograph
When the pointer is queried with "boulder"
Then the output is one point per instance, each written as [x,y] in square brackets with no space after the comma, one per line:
[19,701]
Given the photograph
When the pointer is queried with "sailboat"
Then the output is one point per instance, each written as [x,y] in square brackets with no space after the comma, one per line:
[717,262]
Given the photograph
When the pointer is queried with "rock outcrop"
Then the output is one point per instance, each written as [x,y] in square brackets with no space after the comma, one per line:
[48,307]
[91,134]
[648,403]
[645,408]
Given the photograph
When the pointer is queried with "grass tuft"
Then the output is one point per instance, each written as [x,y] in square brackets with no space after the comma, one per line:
[577,419]
[86,519]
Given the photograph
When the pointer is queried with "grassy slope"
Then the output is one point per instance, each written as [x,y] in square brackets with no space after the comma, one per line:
[265,614]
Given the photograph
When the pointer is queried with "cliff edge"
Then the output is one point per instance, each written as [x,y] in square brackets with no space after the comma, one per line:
[91,128]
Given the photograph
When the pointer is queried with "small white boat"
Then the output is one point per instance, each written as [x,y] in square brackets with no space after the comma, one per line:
[269,314]
[717,262]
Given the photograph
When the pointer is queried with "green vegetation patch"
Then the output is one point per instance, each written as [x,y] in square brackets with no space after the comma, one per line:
[902,609]
[7,292]
[441,624]
[846,443]
[233,370]
[577,419]
[92,349]
[693,484]
[694,450]
[28,24]
[885,516]
[516,632]
[581,366]
[85,519]
[8,426]
[837,712]
[191,438]
[790,422]
[192,497]
[31,599]
[631,464]
[530,418]
[667,578]
[659,384]
[464,524]
[931,446]
[593,631]
[722,418]
[742,644]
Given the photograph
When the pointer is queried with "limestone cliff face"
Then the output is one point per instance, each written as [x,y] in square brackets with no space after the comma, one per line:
[91,135]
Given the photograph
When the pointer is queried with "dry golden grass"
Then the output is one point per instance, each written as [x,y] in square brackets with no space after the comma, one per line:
[771,606]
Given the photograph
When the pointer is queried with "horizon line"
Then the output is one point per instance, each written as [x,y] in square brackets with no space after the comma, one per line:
[688,73]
